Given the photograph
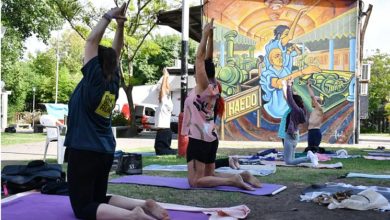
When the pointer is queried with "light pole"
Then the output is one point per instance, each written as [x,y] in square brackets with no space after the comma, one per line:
[33,118]
[58,63]
[58,56]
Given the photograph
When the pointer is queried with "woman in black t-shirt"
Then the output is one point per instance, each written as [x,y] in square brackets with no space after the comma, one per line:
[89,139]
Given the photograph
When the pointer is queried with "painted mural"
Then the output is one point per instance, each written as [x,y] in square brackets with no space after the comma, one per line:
[260,42]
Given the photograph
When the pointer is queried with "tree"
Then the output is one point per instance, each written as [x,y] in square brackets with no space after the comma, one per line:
[142,16]
[28,17]
[43,66]
[379,87]
[22,18]
[150,62]
[379,93]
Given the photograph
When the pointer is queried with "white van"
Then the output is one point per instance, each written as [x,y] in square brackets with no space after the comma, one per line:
[145,118]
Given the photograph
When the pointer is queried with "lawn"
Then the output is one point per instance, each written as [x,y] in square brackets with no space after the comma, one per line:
[21,138]
[276,207]
[281,206]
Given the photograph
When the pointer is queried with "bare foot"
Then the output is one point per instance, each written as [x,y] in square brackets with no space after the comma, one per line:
[138,213]
[249,178]
[233,163]
[239,182]
[155,210]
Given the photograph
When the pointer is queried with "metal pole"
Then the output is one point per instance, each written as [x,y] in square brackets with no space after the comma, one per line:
[358,73]
[183,140]
[184,53]
[58,63]
[361,33]
[33,118]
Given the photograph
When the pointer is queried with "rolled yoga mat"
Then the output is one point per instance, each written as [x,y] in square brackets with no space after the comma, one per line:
[182,183]
[53,207]
[368,175]
[337,165]
[379,154]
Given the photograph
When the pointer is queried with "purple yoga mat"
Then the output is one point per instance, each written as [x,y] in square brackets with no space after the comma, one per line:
[182,183]
[51,207]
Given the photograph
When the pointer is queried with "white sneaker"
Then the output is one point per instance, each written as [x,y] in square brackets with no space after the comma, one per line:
[313,158]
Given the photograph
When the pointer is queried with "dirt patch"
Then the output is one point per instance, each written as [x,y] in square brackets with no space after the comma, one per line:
[286,205]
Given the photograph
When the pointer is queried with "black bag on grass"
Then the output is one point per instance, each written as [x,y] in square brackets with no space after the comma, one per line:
[55,188]
[21,178]
[129,164]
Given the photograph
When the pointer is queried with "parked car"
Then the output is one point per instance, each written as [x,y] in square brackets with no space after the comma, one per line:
[145,118]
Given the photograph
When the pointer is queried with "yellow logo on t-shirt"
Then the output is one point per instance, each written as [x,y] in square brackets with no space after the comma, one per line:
[106,105]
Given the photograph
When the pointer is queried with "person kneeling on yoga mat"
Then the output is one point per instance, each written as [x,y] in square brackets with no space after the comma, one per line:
[200,109]
[296,117]
[314,136]
[89,139]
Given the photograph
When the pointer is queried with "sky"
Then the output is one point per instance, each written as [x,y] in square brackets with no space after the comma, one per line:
[377,33]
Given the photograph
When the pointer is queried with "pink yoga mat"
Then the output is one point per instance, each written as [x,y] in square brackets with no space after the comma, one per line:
[52,207]
[182,183]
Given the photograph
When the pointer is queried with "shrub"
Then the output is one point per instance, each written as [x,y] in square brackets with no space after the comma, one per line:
[119,119]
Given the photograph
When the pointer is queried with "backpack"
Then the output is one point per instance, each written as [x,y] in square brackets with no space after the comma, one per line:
[55,188]
[20,178]
[10,130]
[129,164]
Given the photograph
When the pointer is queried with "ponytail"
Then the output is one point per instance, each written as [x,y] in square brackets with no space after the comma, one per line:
[220,103]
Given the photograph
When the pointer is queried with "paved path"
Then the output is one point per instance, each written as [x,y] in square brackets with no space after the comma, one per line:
[145,141]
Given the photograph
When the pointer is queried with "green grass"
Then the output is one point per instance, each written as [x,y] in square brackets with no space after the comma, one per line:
[21,138]
[292,177]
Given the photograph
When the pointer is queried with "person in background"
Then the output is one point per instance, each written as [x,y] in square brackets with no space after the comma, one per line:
[90,140]
[162,143]
[296,117]
[201,106]
[315,121]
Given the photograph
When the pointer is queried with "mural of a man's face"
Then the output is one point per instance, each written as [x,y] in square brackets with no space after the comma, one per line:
[275,57]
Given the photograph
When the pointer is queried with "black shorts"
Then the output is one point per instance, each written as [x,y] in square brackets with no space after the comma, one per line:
[202,151]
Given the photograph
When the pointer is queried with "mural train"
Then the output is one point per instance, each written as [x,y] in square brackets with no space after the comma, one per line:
[261,43]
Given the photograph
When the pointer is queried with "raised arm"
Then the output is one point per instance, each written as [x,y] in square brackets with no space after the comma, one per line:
[290,35]
[201,76]
[277,82]
[210,46]
[290,99]
[94,38]
[312,96]
[164,85]
[117,44]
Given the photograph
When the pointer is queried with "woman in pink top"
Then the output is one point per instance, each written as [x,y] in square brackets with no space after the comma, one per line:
[200,110]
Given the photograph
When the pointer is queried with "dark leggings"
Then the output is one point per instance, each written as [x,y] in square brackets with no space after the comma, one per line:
[314,137]
[88,178]
[223,162]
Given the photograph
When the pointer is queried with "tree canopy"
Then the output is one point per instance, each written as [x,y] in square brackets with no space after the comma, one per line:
[379,87]
[143,58]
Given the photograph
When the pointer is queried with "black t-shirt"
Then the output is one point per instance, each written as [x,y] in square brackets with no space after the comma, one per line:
[90,108]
